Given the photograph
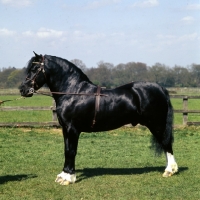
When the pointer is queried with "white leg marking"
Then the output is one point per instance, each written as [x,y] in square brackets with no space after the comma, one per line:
[65,178]
[172,166]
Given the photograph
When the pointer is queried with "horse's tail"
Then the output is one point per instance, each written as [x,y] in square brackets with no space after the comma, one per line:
[167,137]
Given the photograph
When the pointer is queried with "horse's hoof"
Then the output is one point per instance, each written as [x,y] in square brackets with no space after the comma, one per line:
[61,181]
[65,179]
[58,179]
[167,174]
[65,182]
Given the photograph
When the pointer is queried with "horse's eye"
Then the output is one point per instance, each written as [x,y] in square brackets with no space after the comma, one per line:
[34,68]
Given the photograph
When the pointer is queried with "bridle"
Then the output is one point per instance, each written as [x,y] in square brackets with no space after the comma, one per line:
[32,79]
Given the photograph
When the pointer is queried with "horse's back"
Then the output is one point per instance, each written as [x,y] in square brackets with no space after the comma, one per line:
[145,91]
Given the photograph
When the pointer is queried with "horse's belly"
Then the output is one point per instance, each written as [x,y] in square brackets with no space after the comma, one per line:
[109,123]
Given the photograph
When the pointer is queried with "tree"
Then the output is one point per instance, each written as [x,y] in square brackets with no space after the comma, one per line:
[80,64]
[136,71]
[110,76]
[195,71]
[118,75]
[181,76]
[161,74]
[4,75]
[102,74]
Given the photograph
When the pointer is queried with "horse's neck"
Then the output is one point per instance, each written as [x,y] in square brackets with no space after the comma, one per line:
[62,81]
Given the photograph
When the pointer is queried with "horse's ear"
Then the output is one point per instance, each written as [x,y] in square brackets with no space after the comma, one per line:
[36,55]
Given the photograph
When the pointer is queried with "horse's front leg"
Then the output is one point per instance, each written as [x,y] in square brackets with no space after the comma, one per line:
[68,175]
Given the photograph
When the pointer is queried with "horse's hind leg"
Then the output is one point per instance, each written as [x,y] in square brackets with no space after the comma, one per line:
[172,166]
[163,141]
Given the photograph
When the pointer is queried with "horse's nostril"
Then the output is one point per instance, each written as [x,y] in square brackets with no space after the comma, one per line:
[31,91]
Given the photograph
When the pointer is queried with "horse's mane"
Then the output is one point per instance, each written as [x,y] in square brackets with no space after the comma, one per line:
[29,64]
[65,62]
[72,67]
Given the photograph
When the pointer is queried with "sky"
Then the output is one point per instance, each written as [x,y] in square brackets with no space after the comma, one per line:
[113,31]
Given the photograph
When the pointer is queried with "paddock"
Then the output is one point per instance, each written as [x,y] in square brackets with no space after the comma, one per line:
[27,153]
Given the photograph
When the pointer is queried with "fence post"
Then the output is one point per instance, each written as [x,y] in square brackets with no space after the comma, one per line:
[185,110]
[54,114]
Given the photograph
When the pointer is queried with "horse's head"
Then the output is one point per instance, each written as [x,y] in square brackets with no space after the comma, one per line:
[36,77]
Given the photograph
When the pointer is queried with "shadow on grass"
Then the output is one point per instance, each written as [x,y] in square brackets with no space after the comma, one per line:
[20,177]
[91,172]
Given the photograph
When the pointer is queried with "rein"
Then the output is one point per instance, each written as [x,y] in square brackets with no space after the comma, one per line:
[1,102]
[68,93]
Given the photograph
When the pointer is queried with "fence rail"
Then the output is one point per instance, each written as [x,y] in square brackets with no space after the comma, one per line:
[55,123]
[52,108]
[185,110]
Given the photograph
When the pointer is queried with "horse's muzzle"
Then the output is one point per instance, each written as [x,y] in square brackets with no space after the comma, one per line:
[26,91]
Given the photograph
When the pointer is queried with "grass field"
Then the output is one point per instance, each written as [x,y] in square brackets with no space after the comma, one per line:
[26,116]
[110,165]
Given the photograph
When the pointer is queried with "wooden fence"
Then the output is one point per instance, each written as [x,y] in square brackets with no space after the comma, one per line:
[52,108]
[55,123]
[185,110]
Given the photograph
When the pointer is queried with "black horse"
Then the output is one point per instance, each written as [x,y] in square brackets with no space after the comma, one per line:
[84,107]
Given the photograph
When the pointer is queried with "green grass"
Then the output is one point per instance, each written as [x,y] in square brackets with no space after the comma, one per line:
[36,100]
[110,165]
[26,116]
